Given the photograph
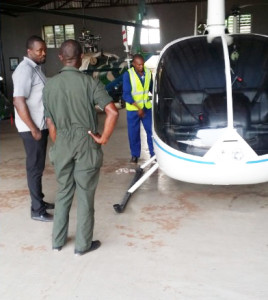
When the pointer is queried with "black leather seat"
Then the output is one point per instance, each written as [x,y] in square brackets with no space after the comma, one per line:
[215,110]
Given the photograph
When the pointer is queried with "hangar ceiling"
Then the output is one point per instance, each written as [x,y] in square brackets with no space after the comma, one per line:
[13,6]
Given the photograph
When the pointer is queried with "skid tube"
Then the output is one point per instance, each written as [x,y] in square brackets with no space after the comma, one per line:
[136,182]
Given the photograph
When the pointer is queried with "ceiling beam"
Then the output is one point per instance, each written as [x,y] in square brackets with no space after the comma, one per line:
[19,8]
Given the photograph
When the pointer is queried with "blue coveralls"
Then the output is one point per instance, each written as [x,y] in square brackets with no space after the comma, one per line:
[133,120]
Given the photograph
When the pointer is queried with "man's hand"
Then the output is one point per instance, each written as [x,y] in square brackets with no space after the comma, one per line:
[36,133]
[99,139]
[140,110]
[109,124]
[141,113]
[52,129]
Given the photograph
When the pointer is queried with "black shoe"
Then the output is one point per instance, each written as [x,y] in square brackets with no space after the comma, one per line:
[44,217]
[94,246]
[49,205]
[134,159]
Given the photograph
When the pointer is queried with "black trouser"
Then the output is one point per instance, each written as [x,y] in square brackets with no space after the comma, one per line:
[35,165]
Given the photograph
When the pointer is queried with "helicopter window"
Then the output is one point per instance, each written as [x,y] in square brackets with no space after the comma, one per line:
[191,111]
[187,73]
[250,77]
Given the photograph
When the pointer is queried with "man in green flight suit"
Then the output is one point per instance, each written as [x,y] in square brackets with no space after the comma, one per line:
[69,100]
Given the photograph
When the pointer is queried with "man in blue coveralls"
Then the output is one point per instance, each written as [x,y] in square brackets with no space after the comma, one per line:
[137,82]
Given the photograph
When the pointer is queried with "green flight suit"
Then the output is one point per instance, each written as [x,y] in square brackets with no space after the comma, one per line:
[69,100]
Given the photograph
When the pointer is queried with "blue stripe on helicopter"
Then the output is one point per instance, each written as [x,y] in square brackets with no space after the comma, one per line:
[183,158]
[257,161]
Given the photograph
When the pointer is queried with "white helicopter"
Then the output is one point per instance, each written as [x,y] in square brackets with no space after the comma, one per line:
[210,108]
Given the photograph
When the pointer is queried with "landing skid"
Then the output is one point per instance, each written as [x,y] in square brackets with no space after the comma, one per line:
[136,182]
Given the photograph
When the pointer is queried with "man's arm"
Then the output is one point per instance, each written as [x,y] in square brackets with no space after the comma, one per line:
[23,112]
[52,129]
[109,124]
[127,97]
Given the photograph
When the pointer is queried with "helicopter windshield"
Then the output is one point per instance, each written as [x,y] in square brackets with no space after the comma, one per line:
[190,106]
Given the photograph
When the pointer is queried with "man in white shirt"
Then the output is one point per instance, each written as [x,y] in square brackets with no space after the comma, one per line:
[29,80]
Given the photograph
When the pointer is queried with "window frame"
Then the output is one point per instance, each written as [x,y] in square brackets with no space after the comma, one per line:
[241,26]
[55,44]
[144,31]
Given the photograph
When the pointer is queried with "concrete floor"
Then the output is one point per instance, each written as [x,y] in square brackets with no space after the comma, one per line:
[174,241]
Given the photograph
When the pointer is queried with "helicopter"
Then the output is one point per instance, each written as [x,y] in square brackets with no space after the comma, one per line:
[105,66]
[210,108]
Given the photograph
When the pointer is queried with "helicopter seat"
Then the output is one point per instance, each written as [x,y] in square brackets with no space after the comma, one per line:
[215,110]
[185,109]
[259,109]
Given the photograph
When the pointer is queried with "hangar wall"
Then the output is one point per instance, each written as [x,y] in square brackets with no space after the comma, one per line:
[176,20]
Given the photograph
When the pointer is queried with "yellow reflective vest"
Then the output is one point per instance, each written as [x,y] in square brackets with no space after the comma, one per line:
[139,93]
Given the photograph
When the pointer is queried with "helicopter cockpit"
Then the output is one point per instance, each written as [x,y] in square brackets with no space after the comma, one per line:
[190,106]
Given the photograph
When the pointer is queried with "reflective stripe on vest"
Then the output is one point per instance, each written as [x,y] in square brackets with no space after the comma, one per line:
[139,92]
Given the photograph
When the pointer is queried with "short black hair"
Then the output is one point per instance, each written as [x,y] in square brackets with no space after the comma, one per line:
[71,49]
[32,39]
[137,56]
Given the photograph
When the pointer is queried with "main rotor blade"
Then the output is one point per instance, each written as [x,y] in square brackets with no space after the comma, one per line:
[252,4]
[21,8]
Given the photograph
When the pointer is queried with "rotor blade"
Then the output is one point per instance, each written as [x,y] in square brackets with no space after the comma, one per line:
[252,4]
[20,8]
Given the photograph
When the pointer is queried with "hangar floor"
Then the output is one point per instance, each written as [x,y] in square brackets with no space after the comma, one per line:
[174,241]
